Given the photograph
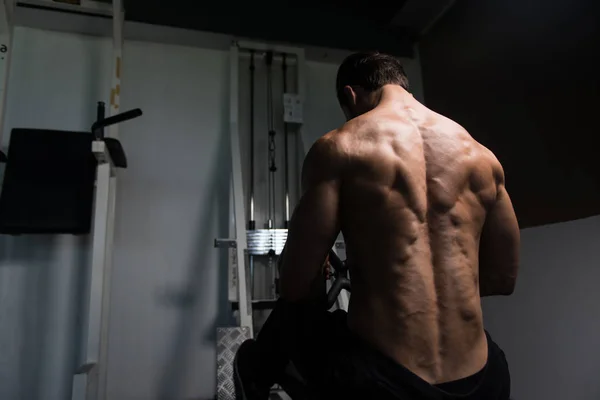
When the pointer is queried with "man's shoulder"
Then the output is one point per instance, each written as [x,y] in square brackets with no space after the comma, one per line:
[333,146]
[456,132]
[325,157]
[487,159]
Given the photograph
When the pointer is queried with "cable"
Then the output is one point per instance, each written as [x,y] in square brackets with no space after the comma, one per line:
[272,145]
[286,162]
[252,221]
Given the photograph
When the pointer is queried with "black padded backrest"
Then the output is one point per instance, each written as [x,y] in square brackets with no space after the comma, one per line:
[48,183]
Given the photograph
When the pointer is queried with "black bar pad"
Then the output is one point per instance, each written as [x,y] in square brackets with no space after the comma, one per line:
[48,183]
[117,154]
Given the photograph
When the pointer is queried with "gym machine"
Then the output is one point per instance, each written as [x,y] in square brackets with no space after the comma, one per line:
[91,379]
[99,155]
[248,245]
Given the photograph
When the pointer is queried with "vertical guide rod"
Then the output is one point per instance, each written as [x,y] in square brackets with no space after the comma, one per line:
[271,127]
[100,115]
[286,151]
[301,144]
[252,222]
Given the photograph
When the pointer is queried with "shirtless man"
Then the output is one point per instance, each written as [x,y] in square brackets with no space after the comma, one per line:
[429,230]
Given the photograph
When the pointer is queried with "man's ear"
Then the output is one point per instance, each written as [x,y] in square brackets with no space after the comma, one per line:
[351,97]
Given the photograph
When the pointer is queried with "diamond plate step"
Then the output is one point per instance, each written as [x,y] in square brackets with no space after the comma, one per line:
[228,342]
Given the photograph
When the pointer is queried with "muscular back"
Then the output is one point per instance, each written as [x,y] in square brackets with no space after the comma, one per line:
[413,202]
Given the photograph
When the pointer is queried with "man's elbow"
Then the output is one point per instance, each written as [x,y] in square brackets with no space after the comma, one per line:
[290,289]
[287,292]
[303,291]
[504,286]
[507,288]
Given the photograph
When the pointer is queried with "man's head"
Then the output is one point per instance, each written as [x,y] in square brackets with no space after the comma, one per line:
[360,80]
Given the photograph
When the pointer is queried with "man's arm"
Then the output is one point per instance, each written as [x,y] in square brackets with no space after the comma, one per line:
[315,225]
[499,246]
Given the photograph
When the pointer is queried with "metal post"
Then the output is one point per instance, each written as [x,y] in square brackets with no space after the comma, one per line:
[115,92]
[302,89]
[6,44]
[286,156]
[113,131]
[232,280]
[252,222]
[93,363]
[90,357]
[245,302]
[100,115]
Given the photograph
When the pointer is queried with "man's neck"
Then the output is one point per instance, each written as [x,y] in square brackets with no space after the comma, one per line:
[394,94]
[388,95]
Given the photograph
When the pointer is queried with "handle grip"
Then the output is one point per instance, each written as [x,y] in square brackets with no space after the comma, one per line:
[116,119]
[337,287]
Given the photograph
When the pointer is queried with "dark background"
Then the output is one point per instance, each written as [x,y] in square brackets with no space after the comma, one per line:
[524,78]
[391,26]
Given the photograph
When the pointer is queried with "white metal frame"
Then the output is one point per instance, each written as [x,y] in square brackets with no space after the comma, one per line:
[238,262]
[301,67]
[7,9]
[113,132]
[343,300]
[238,288]
[91,382]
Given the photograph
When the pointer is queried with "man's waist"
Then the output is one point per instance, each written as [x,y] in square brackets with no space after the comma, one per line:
[415,343]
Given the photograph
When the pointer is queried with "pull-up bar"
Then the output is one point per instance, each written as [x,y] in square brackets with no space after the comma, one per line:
[98,126]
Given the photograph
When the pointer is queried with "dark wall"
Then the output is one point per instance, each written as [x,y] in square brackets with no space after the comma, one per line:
[523,76]
[335,24]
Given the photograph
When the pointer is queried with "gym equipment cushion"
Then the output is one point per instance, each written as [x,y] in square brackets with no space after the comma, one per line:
[48,183]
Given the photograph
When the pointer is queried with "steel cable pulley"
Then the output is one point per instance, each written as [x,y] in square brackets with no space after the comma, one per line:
[286,151]
[272,144]
[252,221]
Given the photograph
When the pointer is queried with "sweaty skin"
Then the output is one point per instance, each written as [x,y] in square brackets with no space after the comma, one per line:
[414,196]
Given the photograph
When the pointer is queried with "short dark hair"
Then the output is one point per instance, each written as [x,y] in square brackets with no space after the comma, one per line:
[370,71]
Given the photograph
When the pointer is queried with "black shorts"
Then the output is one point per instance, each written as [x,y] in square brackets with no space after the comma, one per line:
[338,364]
